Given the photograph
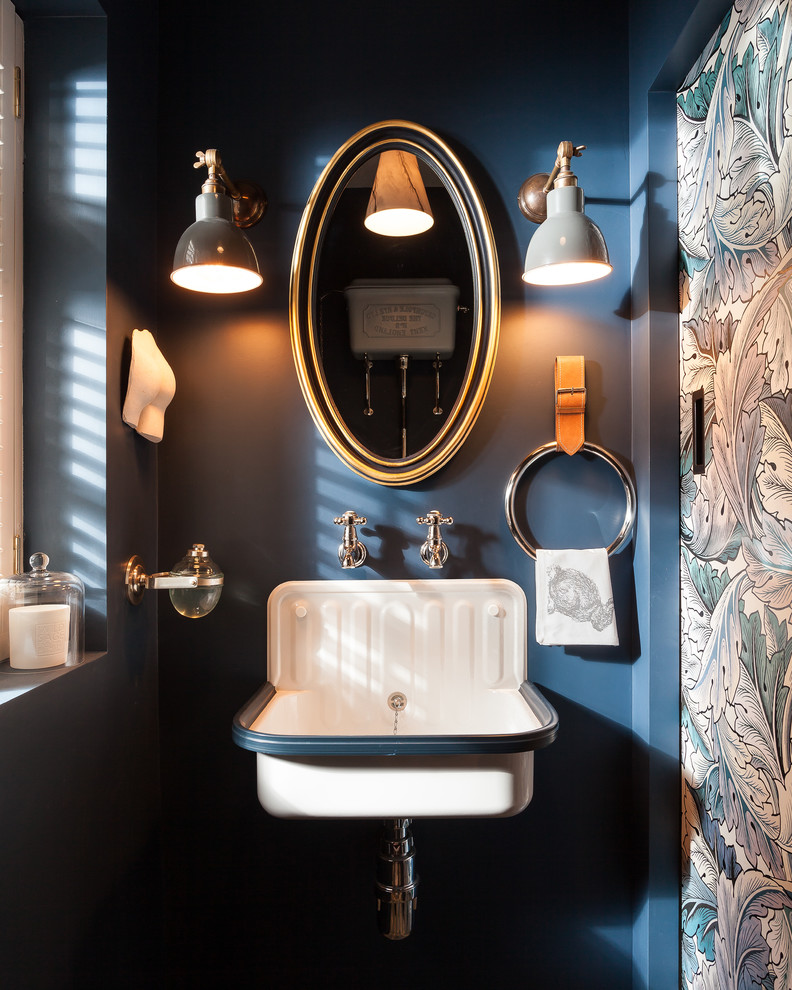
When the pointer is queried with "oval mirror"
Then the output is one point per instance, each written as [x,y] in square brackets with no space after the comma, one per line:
[394,336]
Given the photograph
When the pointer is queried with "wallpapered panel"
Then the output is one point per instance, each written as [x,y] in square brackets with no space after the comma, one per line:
[734,129]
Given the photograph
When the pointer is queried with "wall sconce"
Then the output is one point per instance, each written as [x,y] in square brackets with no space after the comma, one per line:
[213,255]
[195,583]
[398,205]
[568,247]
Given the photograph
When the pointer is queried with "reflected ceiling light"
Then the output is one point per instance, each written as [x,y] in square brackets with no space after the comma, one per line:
[398,206]
[213,255]
[568,247]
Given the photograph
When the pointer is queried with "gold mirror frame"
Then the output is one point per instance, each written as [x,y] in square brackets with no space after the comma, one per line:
[370,141]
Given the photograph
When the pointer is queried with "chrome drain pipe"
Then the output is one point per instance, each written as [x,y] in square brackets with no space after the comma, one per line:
[397,881]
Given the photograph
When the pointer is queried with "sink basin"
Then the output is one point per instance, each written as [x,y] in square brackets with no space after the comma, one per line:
[396,699]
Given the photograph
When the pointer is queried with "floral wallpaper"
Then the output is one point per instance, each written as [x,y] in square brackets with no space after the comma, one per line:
[734,128]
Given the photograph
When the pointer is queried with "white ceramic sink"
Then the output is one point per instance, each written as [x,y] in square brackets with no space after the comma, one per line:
[328,739]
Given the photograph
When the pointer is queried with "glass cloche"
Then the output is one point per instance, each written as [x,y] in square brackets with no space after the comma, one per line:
[42,617]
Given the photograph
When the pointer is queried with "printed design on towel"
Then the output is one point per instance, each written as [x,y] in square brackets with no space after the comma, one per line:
[734,130]
[574,594]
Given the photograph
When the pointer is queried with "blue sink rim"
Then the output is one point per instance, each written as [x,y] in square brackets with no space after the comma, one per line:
[418,745]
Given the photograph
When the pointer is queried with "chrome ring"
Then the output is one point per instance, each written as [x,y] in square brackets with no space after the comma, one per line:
[590,448]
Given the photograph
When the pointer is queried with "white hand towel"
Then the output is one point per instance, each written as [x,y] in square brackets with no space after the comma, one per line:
[574,600]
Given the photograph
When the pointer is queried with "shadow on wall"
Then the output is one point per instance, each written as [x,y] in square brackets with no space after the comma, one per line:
[660,218]
[65,270]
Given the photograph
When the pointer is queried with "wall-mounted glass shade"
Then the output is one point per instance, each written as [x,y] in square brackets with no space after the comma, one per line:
[213,255]
[398,206]
[568,247]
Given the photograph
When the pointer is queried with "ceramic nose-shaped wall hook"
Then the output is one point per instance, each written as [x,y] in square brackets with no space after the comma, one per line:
[151,387]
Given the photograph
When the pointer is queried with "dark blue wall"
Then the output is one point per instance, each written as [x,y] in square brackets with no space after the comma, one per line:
[545,898]
[665,40]
[79,774]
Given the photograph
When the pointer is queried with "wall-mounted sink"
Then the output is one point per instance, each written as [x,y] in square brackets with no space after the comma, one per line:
[396,699]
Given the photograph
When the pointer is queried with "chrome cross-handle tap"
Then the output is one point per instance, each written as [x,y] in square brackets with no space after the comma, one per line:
[351,552]
[434,552]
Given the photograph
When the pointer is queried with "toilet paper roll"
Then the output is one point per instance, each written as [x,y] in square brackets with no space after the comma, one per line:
[38,635]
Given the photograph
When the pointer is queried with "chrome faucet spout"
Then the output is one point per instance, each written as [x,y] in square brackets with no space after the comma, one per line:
[434,552]
[351,552]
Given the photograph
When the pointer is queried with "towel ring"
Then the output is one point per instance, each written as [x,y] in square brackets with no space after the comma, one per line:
[545,451]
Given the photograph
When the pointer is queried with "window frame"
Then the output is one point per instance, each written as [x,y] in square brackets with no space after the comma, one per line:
[11,186]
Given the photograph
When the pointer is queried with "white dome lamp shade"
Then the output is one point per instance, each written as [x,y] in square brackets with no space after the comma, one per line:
[213,255]
[568,248]
[398,205]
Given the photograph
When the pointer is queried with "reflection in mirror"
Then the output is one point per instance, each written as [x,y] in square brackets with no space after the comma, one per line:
[388,326]
[394,337]
[398,204]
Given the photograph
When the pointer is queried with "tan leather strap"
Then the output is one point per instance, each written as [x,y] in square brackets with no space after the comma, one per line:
[570,402]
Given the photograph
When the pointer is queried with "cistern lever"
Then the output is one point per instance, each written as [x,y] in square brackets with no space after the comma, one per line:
[434,552]
[351,552]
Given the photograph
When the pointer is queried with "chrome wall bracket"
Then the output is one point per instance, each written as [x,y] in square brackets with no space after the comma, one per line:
[137,581]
